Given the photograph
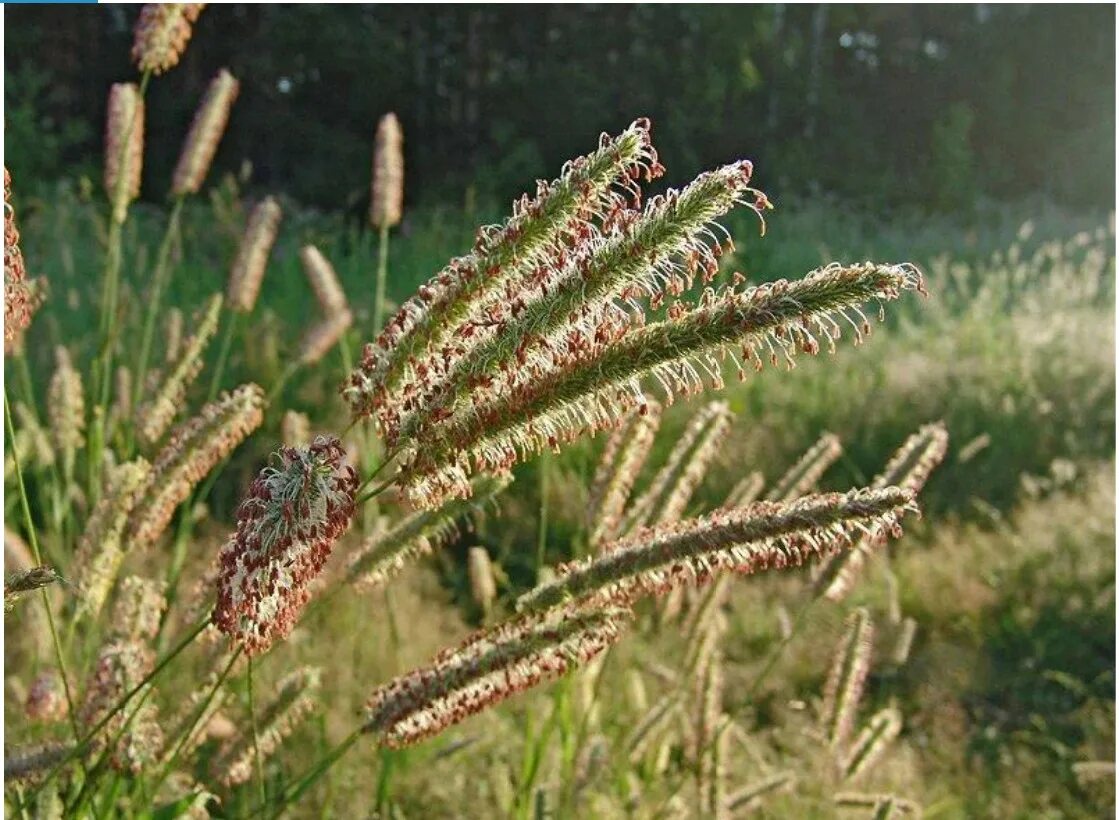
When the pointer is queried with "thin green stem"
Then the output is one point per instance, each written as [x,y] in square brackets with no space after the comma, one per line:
[169,766]
[256,736]
[223,353]
[382,274]
[159,281]
[308,780]
[287,373]
[34,541]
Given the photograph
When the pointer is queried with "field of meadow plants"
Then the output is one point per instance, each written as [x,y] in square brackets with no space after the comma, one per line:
[603,517]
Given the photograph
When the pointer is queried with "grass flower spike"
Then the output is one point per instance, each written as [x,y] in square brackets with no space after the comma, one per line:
[764,535]
[205,133]
[287,526]
[590,388]
[155,416]
[124,147]
[847,677]
[162,34]
[324,281]
[490,667]
[803,475]
[625,453]
[252,255]
[193,449]
[386,202]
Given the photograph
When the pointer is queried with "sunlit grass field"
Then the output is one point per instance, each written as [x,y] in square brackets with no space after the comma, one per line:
[1008,577]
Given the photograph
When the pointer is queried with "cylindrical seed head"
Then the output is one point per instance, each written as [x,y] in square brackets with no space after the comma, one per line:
[205,133]
[162,33]
[252,255]
[387,200]
[124,147]
[320,273]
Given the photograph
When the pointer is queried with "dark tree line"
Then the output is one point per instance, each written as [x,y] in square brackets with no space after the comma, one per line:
[893,105]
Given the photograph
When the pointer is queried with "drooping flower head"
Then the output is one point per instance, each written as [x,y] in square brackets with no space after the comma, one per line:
[295,511]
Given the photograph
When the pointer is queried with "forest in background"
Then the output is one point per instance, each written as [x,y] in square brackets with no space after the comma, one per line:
[924,107]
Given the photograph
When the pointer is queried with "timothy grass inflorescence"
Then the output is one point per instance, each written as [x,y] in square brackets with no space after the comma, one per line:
[162,33]
[386,202]
[252,255]
[124,147]
[205,133]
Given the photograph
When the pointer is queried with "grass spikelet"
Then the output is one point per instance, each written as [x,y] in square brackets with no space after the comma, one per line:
[625,453]
[386,203]
[194,448]
[295,429]
[324,281]
[804,475]
[323,335]
[847,677]
[296,697]
[746,491]
[33,442]
[121,411]
[252,255]
[139,609]
[155,415]
[26,764]
[589,390]
[124,147]
[100,550]
[489,668]
[120,667]
[386,554]
[751,796]
[909,467]
[205,133]
[287,526]
[18,584]
[539,229]
[66,408]
[872,742]
[687,464]
[162,33]
[18,303]
[483,587]
[765,535]
[46,699]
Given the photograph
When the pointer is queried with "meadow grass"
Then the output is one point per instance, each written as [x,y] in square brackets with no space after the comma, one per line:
[1014,352]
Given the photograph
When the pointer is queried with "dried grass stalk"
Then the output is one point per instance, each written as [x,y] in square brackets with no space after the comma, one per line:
[871,744]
